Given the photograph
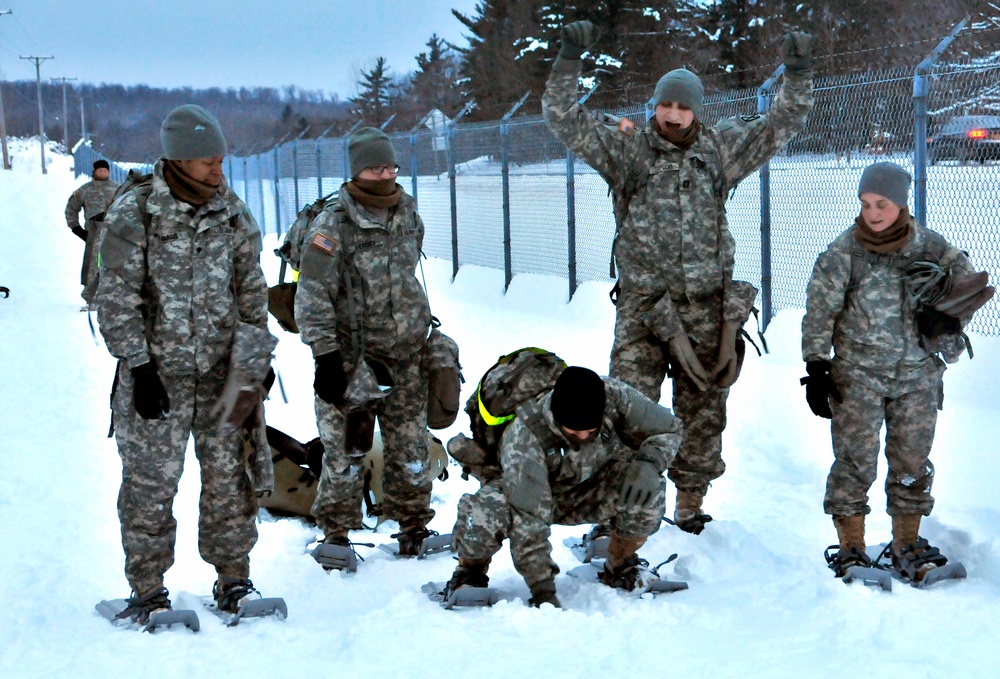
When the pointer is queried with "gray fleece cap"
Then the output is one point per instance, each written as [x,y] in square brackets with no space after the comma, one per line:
[369,147]
[682,86]
[190,132]
[886,179]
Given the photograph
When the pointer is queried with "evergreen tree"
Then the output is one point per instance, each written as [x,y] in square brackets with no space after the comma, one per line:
[373,101]
[434,85]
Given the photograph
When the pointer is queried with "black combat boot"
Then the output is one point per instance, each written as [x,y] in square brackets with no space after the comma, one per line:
[139,608]
[229,592]
[412,539]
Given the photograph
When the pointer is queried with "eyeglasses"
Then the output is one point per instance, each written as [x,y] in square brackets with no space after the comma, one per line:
[380,170]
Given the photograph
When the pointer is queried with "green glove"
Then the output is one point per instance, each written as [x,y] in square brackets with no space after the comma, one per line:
[796,53]
[577,38]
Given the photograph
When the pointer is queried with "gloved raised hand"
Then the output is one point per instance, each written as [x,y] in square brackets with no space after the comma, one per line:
[577,38]
[796,53]
[330,381]
[933,323]
[80,232]
[683,355]
[820,388]
[640,484]
[149,396]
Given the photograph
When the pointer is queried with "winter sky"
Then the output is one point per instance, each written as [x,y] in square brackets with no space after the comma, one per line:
[312,44]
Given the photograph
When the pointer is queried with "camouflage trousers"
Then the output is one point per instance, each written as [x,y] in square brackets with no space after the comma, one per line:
[406,484]
[640,359]
[90,270]
[152,453]
[908,407]
[485,519]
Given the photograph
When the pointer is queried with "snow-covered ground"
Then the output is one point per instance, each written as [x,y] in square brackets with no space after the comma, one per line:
[761,602]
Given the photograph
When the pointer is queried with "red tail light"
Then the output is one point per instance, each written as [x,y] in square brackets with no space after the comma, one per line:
[976,134]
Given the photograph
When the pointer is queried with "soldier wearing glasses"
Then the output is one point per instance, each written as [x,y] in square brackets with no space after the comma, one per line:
[358,271]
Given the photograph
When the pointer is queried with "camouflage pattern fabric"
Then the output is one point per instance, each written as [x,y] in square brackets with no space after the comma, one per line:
[390,304]
[908,406]
[568,486]
[393,318]
[882,373]
[674,252]
[870,326]
[176,294]
[406,485]
[152,454]
[93,198]
[202,274]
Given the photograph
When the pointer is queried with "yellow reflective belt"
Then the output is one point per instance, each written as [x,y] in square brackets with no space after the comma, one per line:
[295,276]
[488,417]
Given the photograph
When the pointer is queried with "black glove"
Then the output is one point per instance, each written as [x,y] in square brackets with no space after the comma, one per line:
[933,323]
[820,388]
[796,53]
[577,38]
[80,232]
[544,593]
[331,380]
[148,393]
[640,484]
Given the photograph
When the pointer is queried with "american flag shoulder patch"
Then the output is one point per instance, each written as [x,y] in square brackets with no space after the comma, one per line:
[324,243]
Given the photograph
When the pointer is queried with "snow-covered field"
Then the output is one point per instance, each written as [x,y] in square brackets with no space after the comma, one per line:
[761,602]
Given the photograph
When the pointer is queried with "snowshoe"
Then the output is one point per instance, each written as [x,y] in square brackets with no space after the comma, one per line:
[919,564]
[419,542]
[338,554]
[233,600]
[466,596]
[593,545]
[633,576]
[853,564]
[147,613]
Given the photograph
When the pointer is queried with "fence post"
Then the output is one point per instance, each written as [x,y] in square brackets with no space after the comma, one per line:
[413,165]
[260,190]
[920,90]
[319,163]
[454,200]
[763,104]
[295,165]
[505,181]
[571,208]
[347,142]
[571,221]
[277,189]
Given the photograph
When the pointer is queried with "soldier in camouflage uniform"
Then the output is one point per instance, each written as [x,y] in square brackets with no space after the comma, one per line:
[94,198]
[861,305]
[588,450]
[679,311]
[182,303]
[359,304]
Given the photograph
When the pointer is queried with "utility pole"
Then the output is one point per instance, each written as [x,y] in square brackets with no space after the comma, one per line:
[83,121]
[38,87]
[3,119]
[65,113]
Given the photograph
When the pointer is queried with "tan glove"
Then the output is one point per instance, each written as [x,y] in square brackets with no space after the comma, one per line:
[683,354]
[726,368]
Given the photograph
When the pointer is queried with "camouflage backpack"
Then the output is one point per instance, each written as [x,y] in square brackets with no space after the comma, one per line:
[514,379]
[281,297]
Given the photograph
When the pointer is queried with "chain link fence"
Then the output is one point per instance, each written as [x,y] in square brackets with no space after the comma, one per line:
[508,195]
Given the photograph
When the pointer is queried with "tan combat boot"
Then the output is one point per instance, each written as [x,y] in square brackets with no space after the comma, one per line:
[687,512]
[623,568]
[912,556]
[850,532]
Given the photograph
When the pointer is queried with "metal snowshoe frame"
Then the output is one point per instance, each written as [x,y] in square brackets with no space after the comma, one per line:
[586,549]
[950,570]
[110,609]
[433,544]
[254,608]
[871,576]
[337,557]
[463,597]
[590,572]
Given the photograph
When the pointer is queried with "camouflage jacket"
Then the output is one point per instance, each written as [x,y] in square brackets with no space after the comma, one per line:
[93,198]
[389,304]
[674,246]
[177,290]
[873,324]
[533,477]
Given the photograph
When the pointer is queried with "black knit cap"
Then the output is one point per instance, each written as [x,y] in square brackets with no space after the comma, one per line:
[98,164]
[578,399]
